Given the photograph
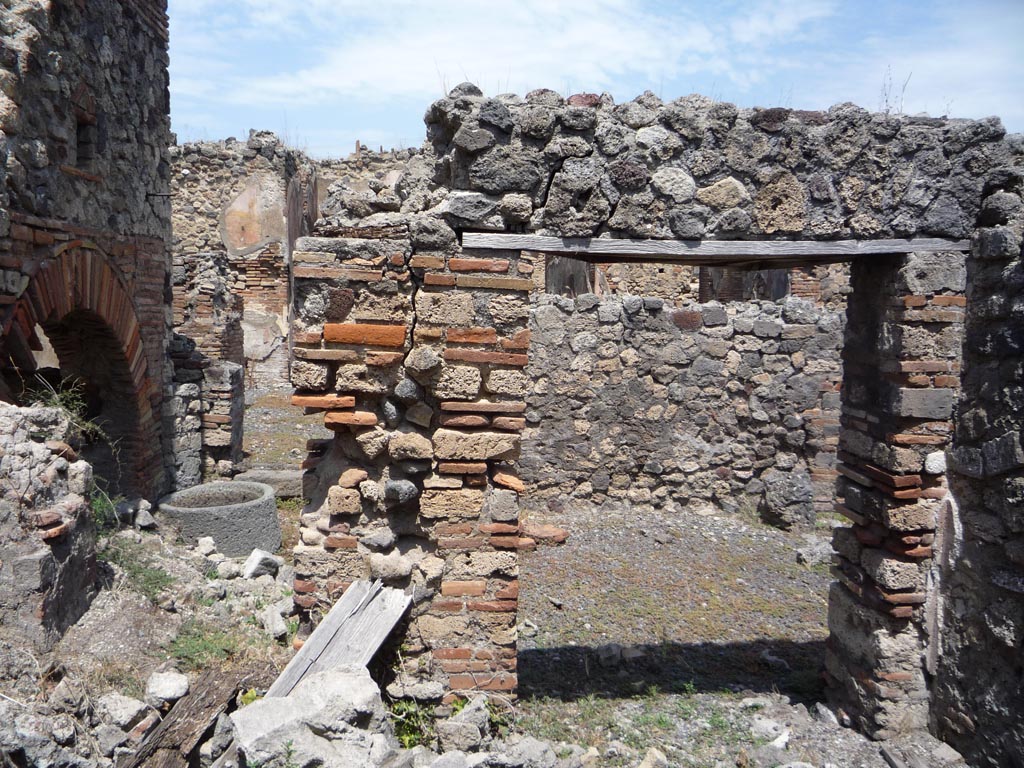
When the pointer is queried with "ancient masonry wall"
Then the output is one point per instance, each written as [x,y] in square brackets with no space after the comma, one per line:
[85,213]
[237,208]
[981,547]
[414,347]
[901,362]
[84,219]
[731,406]
[46,530]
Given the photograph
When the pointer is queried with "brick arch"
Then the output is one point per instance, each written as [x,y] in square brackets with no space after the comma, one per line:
[80,295]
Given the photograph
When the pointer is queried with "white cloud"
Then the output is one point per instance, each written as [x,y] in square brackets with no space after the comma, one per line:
[420,50]
[331,64]
[768,22]
[967,65]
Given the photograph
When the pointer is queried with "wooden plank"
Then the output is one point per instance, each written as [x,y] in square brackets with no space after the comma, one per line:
[350,633]
[710,252]
[182,729]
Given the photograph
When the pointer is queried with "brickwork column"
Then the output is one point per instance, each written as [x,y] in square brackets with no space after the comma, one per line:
[415,353]
[901,379]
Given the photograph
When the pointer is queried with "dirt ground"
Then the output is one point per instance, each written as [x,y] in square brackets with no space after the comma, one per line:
[699,635]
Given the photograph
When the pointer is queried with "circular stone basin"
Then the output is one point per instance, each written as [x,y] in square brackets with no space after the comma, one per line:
[239,516]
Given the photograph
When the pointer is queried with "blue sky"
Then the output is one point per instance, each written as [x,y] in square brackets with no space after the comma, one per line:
[325,73]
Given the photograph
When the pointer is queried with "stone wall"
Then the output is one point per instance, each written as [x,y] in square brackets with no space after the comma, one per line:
[47,540]
[980,613]
[734,407]
[414,346]
[238,207]
[85,212]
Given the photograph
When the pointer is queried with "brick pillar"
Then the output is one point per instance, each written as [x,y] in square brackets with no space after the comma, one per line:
[415,353]
[901,379]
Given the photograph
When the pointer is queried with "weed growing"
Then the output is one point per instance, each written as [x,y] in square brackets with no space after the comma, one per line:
[199,644]
[413,722]
[141,575]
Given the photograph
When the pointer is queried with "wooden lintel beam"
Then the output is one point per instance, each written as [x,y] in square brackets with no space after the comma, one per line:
[707,252]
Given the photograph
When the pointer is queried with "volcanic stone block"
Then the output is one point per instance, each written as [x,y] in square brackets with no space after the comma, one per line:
[478,446]
[462,503]
[344,501]
[889,572]
[410,445]
[934,404]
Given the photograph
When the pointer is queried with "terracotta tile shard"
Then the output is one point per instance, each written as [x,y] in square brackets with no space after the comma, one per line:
[435,279]
[508,480]
[494,283]
[949,301]
[57,531]
[478,265]
[469,542]
[513,542]
[915,301]
[303,587]
[370,334]
[426,262]
[452,653]
[473,588]
[545,533]
[464,420]
[504,528]
[902,598]
[334,355]
[62,449]
[472,336]
[384,359]
[895,481]
[919,552]
[508,422]
[323,401]
[304,601]
[306,337]
[339,541]
[462,467]
[510,592]
[483,407]
[453,529]
[902,493]
[449,606]
[499,681]
[481,356]
[519,341]
[301,271]
[497,606]
[345,419]
[906,439]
